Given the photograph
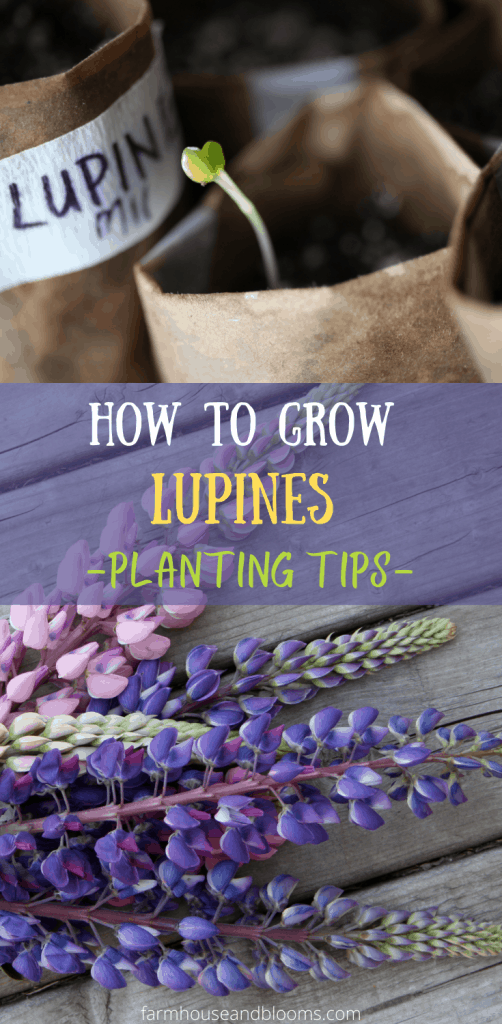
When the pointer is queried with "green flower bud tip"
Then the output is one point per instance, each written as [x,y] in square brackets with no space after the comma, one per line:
[203,165]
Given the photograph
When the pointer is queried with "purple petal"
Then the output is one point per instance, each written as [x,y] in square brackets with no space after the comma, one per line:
[364,815]
[228,973]
[362,718]
[106,974]
[412,753]
[198,658]
[203,685]
[325,720]
[428,721]
[208,979]
[197,928]
[180,853]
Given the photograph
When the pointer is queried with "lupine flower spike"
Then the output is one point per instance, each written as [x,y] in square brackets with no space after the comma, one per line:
[207,165]
[134,798]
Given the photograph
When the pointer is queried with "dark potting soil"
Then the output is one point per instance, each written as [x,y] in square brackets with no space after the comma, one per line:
[329,253]
[478,108]
[39,38]
[239,36]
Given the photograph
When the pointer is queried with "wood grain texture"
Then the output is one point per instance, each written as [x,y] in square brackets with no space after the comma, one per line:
[446,991]
[34,457]
[450,557]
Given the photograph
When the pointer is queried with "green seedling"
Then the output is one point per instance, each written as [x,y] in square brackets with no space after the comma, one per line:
[207,165]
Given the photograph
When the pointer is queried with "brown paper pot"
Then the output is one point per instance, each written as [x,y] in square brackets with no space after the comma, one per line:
[392,325]
[85,325]
[475,295]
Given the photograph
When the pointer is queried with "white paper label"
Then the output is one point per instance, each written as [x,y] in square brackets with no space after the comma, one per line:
[94,192]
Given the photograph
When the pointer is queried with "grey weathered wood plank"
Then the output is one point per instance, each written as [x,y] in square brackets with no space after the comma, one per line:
[419,513]
[444,991]
[30,448]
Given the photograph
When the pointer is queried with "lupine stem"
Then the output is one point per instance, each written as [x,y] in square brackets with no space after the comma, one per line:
[263,238]
[253,784]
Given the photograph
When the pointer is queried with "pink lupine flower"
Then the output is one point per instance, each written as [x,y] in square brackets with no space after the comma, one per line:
[177,616]
[65,706]
[19,615]
[155,646]
[102,684]
[136,614]
[36,630]
[90,602]
[57,625]
[73,568]
[21,687]
[5,709]
[110,661]
[132,627]
[71,665]
[133,632]
[4,634]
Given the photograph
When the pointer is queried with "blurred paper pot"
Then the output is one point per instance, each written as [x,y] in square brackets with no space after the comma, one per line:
[89,170]
[368,142]
[475,295]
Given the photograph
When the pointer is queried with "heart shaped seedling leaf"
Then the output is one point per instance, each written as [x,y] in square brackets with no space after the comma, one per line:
[202,165]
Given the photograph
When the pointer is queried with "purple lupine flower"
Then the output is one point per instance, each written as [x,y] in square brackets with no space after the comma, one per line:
[130,697]
[203,684]
[294,959]
[209,981]
[145,970]
[109,847]
[171,975]
[246,683]
[111,761]
[56,773]
[170,876]
[410,754]
[197,928]
[21,841]
[106,973]
[330,968]
[233,974]
[300,824]
[185,847]
[363,813]
[137,937]
[245,651]
[15,928]
[286,769]
[225,712]
[323,722]
[56,825]
[199,658]
[222,883]
[26,964]
[58,960]
[428,721]
[277,978]
[275,896]
[69,871]
[14,790]
[296,914]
